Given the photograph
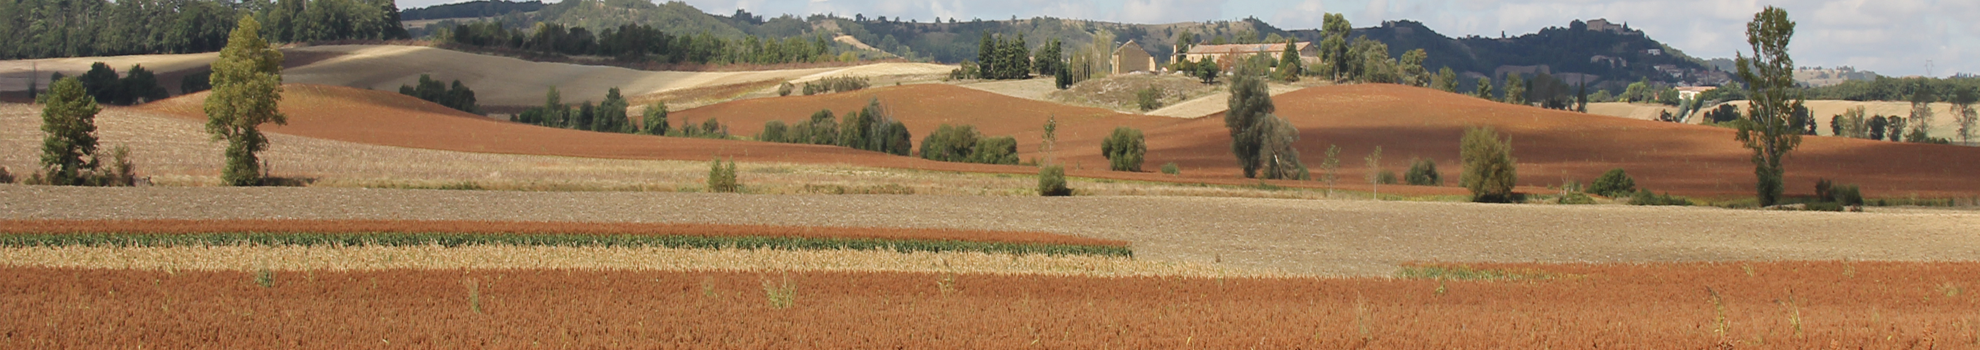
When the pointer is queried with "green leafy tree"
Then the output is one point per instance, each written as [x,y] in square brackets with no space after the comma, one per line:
[1277,157]
[1289,62]
[1446,80]
[655,118]
[1124,149]
[1515,89]
[1249,104]
[1375,170]
[1484,89]
[1612,184]
[1489,167]
[247,86]
[1922,98]
[1330,168]
[1963,111]
[1334,30]
[1769,129]
[1411,68]
[102,83]
[140,86]
[612,113]
[1423,172]
[68,125]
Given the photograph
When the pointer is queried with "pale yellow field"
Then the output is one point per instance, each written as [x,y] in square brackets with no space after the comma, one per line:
[495,80]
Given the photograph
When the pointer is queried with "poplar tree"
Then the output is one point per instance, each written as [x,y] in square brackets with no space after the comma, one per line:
[247,86]
[1768,129]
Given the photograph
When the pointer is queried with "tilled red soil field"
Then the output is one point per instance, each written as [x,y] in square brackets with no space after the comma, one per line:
[1552,146]
[568,228]
[1793,305]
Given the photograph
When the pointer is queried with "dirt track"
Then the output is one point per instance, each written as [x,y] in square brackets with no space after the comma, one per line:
[1298,236]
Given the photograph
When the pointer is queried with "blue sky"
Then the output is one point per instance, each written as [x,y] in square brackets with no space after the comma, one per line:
[1891,37]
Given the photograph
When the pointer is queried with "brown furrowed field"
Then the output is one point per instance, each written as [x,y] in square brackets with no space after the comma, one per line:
[1786,305]
[168,227]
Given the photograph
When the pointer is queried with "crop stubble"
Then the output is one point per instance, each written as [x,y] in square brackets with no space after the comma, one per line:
[173,226]
[1747,305]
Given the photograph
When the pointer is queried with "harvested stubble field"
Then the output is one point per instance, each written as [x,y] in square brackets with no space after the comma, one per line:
[1325,237]
[1786,305]
[183,227]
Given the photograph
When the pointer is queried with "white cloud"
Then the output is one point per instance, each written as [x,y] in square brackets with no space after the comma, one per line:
[1307,14]
[1170,11]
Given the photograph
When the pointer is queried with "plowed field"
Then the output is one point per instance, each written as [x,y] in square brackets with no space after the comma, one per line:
[390,119]
[1552,146]
[1788,305]
[168,227]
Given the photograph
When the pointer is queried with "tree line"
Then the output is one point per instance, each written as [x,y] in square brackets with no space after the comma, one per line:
[75,28]
[871,128]
[639,43]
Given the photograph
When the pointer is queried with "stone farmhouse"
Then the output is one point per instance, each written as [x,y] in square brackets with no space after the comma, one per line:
[1307,51]
[1130,58]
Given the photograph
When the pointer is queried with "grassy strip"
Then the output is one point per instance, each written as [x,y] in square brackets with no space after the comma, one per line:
[567,240]
[1467,273]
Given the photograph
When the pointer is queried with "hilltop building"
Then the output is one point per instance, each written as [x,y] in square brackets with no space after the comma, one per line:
[1307,51]
[1131,58]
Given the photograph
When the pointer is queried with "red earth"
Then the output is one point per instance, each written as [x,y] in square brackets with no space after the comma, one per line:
[1551,146]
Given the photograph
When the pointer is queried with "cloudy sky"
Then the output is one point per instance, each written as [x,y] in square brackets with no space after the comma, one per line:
[1891,37]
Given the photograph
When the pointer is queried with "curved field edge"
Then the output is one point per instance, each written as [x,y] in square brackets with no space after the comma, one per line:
[466,231]
[1689,305]
[560,240]
[297,258]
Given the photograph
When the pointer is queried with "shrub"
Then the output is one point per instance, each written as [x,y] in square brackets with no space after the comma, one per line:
[1423,172]
[723,179]
[1386,177]
[872,129]
[773,131]
[196,82]
[1645,197]
[785,89]
[1575,198]
[1612,184]
[1171,169]
[1840,194]
[1124,149]
[1052,181]
[835,84]
[995,150]
[949,143]
[1489,167]
[1149,99]
[6,176]
[458,96]
[655,118]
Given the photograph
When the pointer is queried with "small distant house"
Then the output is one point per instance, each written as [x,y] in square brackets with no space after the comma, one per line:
[1131,58]
[1307,51]
[1691,92]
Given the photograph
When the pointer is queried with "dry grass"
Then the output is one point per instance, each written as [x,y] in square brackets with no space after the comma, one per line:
[183,227]
[509,257]
[1327,237]
[1120,93]
[1786,305]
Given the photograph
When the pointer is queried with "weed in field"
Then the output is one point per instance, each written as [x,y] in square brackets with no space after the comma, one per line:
[474,295]
[1793,313]
[946,283]
[708,287]
[1720,325]
[264,278]
[1951,290]
[1748,268]
[781,295]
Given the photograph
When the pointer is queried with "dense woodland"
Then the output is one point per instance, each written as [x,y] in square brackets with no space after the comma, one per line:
[73,28]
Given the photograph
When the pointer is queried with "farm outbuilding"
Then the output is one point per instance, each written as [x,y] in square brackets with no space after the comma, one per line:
[1130,57]
[1307,51]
